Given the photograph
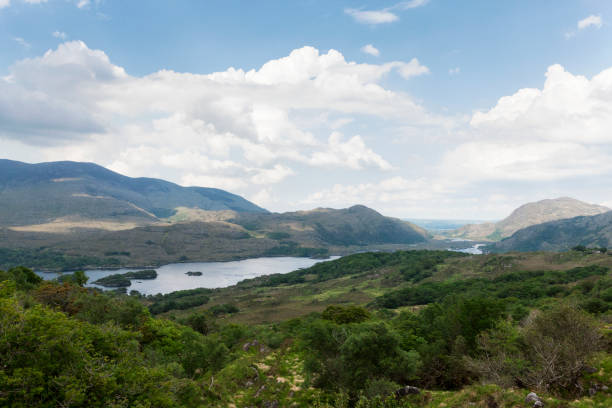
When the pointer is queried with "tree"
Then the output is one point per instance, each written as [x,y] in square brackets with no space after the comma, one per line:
[80,278]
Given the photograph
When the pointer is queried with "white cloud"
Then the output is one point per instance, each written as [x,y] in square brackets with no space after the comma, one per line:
[382,16]
[4,3]
[405,5]
[370,49]
[60,34]
[233,129]
[22,42]
[412,68]
[35,1]
[83,3]
[590,21]
[353,154]
[371,16]
[454,71]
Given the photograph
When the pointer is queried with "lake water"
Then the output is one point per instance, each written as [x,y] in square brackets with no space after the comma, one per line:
[474,250]
[173,277]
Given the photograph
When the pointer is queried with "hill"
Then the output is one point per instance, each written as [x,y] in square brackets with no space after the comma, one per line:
[308,233]
[560,235]
[88,195]
[527,215]
[409,329]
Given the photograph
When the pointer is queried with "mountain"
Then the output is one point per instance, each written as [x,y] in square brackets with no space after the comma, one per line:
[527,215]
[83,193]
[357,225]
[67,214]
[318,232]
[595,230]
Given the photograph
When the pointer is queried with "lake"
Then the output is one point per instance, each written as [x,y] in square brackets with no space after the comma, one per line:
[172,277]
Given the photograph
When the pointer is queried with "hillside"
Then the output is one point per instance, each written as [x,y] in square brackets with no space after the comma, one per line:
[85,194]
[357,225]
[560,235]
[409,329]
[528,215]
[308,233]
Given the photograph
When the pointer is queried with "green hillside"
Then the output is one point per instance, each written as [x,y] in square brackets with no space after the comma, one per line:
[40,193]
[325,336]
[593,231]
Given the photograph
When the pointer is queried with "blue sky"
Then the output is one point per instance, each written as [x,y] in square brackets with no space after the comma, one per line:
[415,152]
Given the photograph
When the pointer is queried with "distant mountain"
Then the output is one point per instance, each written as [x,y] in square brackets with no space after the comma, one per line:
[75,192]
[526,216]
[595,230]
[318,232]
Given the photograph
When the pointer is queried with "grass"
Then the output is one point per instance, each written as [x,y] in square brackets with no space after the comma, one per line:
[276,304]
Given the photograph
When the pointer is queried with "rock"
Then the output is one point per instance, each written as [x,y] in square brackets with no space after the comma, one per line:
[538,404]
[592,391]
[604,388]
[407,390]
[532,398]
[271,404]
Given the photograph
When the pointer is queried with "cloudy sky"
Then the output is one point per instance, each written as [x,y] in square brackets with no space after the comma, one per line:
[421,109]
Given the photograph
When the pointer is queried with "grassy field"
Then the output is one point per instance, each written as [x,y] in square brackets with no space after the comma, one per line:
[258,304]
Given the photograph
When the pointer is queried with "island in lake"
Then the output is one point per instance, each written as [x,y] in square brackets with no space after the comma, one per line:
[120,280]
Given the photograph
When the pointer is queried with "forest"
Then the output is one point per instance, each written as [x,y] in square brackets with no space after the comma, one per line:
[461,341]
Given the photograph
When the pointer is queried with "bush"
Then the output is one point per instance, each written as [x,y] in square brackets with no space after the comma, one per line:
[344,315]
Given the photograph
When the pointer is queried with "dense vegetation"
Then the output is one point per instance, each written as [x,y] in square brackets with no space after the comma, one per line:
[416,265]
[181,299]
[65,345]
[55,260]
[125,279]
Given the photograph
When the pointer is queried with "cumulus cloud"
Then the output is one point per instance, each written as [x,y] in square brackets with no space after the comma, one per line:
[590,21]
[232,129]
[4,3]
[370,49]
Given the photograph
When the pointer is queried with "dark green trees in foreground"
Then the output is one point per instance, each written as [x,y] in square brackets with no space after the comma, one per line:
[64,345]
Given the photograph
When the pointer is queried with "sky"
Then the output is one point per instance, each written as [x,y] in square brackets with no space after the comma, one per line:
[418,109]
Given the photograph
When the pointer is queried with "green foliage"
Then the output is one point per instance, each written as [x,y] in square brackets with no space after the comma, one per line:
[277,235]
[179,300]
[359,263]
[24,278]
[549,354]
[290,248]
[344,315]
[526,286]
[224,308]
[49,259]
[124,279]
[348,356]
[52,360]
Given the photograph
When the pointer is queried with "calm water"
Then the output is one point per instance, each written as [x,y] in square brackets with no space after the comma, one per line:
[172,277]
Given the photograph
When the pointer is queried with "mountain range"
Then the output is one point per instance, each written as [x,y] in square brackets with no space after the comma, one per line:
[527,215]
[81,214]
[561,235]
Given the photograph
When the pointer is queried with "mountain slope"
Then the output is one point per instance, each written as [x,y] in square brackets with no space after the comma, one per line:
[357,225]
[307,233]
[595,230]
[45,192]
[528,215]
